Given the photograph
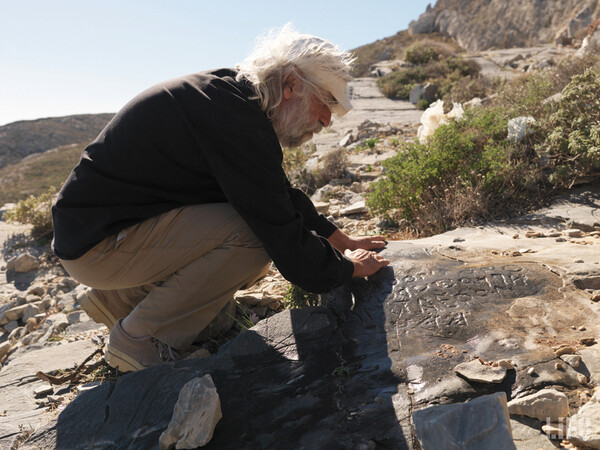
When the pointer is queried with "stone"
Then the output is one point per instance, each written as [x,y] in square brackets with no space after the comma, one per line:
[30,311]
[87,387]
[566,350]
[15,313]
[481,423]
[347,140]
[195,416]
[23,263]
[547,404]
[17,334]
[584,427]
[11,325]
[587,341]
[43,390]
[4,349]
[573,232]
[36,290]
[321,207]
[480,373]
[355,208]
[57,322]
[572,360]
[76,316]
[506,364]
[582,378]
[30,298]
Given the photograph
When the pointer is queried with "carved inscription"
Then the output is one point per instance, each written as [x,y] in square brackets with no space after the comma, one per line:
[448,300]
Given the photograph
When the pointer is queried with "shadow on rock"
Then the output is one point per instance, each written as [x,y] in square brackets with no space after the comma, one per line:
[308,378]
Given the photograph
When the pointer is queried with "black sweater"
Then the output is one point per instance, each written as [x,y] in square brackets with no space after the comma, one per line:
[194,140]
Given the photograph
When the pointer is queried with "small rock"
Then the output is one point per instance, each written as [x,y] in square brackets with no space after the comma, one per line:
[4,349]
[533,234]
[595,298]
[356,208]
[581,328]
[31,298]
[578,261]
[36,290]
[322,207]
[506,364]
[30,311]
[587,341]
[531,371]
[76,316]
[545,404]
[560,239]
[582,378]
[23,263]
[17,334]
[515,236]
[458,239]
[31,324]
[572,360]
[43,390]
[559,366]
[480,373]
[556,430]
[87,387]
[11,325]
[195,415]
[573,232]
[15,313]
[565,350]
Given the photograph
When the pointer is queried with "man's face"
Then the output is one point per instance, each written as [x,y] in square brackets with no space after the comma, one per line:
[297,119]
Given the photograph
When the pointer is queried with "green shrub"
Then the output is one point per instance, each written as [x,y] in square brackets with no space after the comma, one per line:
[464,168]
[399,84]
[35,211]
[573,141]
[420,54]
[296,297]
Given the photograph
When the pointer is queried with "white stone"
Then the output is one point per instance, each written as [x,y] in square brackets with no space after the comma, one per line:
[480,373]
[321,207]
[15,313]
[355,208]
[196,413]
[23,263]
[584,427]
[547,404]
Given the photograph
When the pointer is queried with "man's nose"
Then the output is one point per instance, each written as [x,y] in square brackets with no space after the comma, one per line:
[325,115]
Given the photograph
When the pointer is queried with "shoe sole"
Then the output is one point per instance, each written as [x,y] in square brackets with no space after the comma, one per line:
[96,310]
[119,360]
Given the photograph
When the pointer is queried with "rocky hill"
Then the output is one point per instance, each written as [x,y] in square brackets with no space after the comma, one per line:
[26,137]
[485,24]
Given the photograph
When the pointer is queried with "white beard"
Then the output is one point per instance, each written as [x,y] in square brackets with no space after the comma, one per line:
[292,123]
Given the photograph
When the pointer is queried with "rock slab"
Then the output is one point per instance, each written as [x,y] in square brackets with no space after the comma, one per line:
[195,416]
[545,405]
[480,373]
[481,423]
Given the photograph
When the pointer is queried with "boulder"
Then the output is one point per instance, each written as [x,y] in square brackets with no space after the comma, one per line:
[481,423]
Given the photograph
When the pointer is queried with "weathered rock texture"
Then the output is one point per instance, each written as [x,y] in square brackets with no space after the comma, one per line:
[483,24]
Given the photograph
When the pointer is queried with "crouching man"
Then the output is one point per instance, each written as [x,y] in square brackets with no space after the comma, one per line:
[181,200]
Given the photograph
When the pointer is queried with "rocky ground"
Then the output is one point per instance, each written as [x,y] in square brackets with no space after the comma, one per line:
[505,311]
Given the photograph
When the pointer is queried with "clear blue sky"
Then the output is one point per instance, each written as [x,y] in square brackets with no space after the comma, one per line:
[61,57]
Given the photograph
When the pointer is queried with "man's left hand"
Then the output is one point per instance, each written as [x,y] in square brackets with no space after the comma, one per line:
[343,242]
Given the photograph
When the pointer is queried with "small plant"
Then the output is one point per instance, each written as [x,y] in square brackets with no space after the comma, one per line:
[341,372]
[371,143]
[296,297]
[35,211]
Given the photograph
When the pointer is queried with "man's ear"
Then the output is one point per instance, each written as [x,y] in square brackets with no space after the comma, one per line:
[290,84]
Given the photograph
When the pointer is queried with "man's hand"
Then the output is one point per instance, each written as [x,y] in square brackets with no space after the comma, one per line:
[366,263]
[342,242]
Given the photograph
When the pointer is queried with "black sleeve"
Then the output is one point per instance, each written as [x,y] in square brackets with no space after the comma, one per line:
[247,166]
[312,219]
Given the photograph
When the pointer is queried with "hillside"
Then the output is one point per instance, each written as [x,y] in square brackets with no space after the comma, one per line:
[37,173]
[26,137]
[485,24]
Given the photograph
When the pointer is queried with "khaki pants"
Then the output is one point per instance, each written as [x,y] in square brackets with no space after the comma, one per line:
[173,273]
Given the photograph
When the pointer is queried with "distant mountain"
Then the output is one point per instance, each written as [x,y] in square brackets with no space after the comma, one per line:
[485,24]
[26,137]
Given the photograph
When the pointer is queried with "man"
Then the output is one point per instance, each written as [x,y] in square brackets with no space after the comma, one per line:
[181,200]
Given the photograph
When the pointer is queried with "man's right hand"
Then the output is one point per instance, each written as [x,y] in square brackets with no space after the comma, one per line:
[366,263]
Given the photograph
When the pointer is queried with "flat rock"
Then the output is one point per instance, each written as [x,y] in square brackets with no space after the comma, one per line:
[18,382]
[547,404]
[481,423]
[480,373]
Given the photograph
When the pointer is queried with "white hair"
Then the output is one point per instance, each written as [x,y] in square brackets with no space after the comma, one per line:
[317,63]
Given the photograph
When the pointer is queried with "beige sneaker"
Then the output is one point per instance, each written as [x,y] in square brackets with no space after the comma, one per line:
[101,311]
[130,354]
